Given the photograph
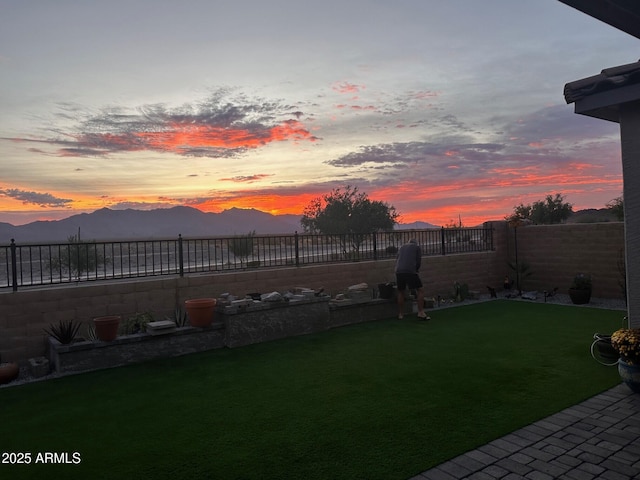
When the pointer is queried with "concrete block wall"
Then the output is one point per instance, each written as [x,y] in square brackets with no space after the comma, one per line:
[556,253]
[24,314]
[478,271]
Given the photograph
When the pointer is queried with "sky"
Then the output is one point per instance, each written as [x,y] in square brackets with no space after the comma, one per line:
[446,110]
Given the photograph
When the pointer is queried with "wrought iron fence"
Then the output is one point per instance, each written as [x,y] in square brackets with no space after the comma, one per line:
[35,265]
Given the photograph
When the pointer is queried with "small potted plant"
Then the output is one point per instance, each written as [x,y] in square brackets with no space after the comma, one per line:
[580,290]
[626,341]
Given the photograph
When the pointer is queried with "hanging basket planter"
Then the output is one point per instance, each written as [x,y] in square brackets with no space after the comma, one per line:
[602,350]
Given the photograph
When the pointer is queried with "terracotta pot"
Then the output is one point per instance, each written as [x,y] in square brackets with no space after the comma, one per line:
[200,311]
[107,327]
[8,372]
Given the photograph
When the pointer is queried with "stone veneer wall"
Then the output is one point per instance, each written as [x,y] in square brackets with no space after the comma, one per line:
[553,251]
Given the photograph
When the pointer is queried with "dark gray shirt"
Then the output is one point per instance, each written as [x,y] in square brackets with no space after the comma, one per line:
[409,258]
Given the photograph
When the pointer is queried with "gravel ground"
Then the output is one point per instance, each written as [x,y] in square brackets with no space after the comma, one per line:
[534,297]
[563,299]
[538,297]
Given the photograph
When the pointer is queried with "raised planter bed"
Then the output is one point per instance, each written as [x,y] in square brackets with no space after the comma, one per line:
[348,312]
[257,322]
[128,349]
[243,323]
[263,321]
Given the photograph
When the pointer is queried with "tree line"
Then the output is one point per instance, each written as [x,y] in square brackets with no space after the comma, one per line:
[351,212]
[554,209]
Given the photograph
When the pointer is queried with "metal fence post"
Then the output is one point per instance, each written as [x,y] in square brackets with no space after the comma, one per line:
[297,249]
[375,246]
[14,266]
[180,256]
[442,240]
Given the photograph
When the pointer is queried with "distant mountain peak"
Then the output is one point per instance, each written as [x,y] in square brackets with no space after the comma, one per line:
[107,224]
[238,209]
[415,226]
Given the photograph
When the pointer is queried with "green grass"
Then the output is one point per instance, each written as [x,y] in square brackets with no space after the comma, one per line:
[381,400]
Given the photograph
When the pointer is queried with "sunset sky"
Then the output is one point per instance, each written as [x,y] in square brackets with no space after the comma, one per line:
[443,109]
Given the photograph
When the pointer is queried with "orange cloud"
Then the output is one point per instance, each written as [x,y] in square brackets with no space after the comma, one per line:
[220,126]
[179,137]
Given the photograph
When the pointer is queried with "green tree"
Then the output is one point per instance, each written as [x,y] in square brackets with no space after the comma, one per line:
[616,206]
[242,246]
[78,257]
[348,213]
[553,209]
[454,231]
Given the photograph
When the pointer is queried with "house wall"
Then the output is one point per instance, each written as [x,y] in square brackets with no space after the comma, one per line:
[555,253]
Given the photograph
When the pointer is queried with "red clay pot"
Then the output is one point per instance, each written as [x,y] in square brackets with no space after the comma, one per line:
[200,311]
[8,372]
[107,327]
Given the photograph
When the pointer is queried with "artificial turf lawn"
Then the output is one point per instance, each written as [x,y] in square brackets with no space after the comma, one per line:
[381,400]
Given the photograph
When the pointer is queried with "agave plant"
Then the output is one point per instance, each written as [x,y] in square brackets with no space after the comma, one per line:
[91,333]
[180,317]
[65,331]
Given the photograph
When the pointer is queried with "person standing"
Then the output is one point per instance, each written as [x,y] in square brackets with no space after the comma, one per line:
[408,266]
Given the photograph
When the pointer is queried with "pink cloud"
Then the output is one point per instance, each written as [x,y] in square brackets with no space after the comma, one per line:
[346,87]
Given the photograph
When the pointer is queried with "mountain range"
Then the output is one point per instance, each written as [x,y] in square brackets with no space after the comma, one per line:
[163,223]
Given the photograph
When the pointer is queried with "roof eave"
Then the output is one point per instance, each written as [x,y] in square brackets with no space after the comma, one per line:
[605,105]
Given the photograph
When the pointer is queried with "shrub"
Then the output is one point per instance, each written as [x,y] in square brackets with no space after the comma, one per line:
[391,250]
[136,323]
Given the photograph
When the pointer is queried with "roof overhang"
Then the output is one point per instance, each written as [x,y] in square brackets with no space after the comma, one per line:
[621,14]
[606,106]
[600,96]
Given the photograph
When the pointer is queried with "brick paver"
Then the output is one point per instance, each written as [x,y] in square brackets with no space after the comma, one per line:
[596,439]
